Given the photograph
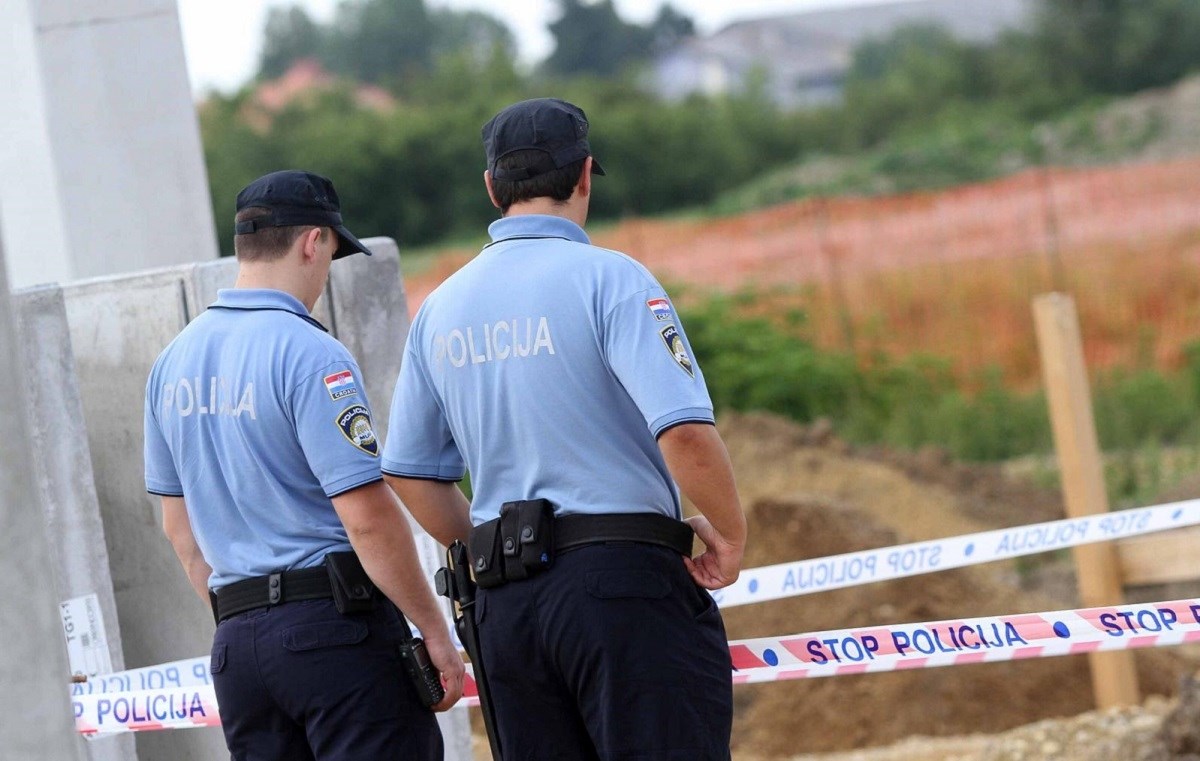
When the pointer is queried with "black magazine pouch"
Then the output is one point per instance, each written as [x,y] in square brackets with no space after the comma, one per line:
[535,534]
[353,591]
[487,563]
[527,537]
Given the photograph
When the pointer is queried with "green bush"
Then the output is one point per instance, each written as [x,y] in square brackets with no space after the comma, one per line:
[756,359]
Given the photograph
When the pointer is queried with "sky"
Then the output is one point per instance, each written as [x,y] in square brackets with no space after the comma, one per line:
[222,38]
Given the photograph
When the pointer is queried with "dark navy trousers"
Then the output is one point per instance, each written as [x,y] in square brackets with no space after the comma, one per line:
[302,682]
[613,654]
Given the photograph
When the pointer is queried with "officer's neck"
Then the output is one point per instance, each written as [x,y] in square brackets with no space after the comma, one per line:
[574,208]
[279,276]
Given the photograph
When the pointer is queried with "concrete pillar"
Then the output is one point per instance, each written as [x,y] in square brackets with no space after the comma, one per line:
[33,662]
[62,470]
[101,167]
[118,327]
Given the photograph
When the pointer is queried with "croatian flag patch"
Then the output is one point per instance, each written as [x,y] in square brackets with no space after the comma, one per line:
[340,385]
[660,308]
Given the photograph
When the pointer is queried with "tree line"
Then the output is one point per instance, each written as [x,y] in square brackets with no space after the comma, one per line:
[412,170]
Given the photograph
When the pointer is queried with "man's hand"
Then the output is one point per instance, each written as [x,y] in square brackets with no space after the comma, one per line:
[698,461]
[720,563]
[449,663]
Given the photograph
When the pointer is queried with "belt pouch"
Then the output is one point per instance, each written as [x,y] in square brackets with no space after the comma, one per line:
[510,542]
[353,591]
[487,563]
[535,534]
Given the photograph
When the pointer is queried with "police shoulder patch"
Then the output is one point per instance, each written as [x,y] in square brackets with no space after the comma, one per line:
[355,423]
[670,336]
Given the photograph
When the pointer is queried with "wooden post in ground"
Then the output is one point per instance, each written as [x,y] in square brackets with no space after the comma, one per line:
[1114,679]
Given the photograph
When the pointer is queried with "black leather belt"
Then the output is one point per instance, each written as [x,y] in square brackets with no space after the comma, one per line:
[272,589]
[571,531]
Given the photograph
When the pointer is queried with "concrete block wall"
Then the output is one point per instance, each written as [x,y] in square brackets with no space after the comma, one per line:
[65,482]
[35,700]
[117,326]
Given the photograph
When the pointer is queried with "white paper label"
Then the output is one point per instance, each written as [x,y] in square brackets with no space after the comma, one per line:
[87,643]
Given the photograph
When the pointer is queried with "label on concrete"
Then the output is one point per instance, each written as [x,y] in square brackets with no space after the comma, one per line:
[87,643]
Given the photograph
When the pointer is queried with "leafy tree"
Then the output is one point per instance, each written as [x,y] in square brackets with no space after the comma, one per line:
[1117,46]
[290,34]
[908,77]
[670,28]
[379,40]
[475,33]
[590,38]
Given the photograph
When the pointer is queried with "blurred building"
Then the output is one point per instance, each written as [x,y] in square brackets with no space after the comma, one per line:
[803,59]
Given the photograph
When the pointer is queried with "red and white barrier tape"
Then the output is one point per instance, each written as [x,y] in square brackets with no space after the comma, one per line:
[965,641]
[801,656]
[775,582]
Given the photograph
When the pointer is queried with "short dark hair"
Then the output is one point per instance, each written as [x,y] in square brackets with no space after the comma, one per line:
[268,243]
[558,184]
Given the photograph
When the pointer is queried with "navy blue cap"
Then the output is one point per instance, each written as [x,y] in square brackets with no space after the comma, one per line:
[297,198]
[555,127]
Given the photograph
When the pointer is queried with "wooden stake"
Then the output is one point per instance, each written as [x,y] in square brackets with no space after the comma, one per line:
[1114,679]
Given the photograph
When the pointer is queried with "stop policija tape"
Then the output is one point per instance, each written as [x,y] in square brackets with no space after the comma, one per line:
[801,656]
[775,582]
[965,641]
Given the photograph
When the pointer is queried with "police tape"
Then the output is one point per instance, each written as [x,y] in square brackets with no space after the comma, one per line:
[192,672]
[801,656]
[144,710]
[966,641]
[775,582]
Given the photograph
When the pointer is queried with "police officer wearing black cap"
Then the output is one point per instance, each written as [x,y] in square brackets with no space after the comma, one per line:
[260,443]
[560,376]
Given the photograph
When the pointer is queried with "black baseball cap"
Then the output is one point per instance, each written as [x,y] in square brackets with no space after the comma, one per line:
[555,127]
[297,198]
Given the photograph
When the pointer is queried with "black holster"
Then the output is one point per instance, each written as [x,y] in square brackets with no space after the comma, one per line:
[352,590]
[515,546]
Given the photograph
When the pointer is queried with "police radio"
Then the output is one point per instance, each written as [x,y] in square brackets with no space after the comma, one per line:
[422,672]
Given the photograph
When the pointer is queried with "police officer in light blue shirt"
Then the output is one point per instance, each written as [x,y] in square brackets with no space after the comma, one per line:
[559,376]
[259,441]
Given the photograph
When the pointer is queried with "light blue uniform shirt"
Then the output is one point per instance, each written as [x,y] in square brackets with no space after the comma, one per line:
[548,367]
[257,416]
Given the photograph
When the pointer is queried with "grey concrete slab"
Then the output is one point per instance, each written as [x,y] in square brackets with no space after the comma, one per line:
[204,281]
[62,470]
[35,699]
[370,316]
[101,166]
[118,327]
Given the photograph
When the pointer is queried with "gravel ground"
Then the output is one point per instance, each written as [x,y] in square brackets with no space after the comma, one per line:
[1158,730]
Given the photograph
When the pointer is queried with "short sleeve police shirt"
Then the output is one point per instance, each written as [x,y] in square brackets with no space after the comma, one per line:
[257,417]
[547,367]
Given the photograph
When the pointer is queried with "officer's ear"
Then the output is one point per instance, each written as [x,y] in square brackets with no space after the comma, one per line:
[309,242]
[584,187]
[487,181]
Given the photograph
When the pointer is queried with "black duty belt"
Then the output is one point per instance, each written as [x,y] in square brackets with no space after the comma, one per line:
[272,589]
[528,535]
[571,531]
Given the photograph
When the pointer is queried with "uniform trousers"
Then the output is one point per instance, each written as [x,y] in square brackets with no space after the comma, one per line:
[302,682]
[614,654]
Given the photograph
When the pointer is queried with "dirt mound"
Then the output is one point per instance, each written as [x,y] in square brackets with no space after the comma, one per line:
[809,495]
